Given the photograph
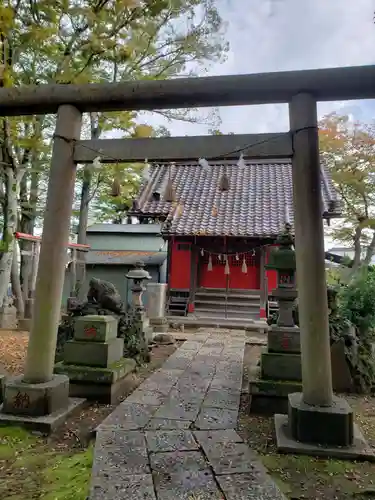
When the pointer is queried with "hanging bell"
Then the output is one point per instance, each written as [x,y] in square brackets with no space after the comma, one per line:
[241,162]
[226,268]
[204,164]
[202,252]
[146,171]
[179,210]
[116,188]
[209,266]
[224,183]
[237,256]
[244,266]
[169,193]
[219,257]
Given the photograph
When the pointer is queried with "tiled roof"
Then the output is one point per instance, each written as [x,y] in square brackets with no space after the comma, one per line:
[258,203]
[125,228]
[124,257]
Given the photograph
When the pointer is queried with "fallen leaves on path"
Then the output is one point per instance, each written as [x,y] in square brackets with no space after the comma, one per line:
[13,346]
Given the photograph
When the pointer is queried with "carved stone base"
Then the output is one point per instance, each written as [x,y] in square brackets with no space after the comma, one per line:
[35,400]
[103,385]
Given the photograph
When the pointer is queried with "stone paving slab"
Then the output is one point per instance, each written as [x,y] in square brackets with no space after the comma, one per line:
[178,410]
[249,486]
[217,437]
[174,437]
[128,416]
[222,398]
[120,452]
[147,397]
[216,418]
[168,424]
[177,462]
[187,485]
[229,458]
[162,441]
[129,487]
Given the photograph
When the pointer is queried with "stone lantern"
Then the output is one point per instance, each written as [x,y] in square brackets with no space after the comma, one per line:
[283,260]
[138,275]
[140,323]
[280,365]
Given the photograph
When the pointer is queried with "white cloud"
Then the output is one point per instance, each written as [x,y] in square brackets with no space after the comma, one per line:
[279,35]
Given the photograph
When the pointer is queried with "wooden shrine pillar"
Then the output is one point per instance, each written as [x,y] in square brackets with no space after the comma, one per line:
[310,258]
[52,260]
[193,277]
[263,284]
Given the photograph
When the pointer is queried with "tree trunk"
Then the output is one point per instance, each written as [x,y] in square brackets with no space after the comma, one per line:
[16,285]
[29,199]
[12,180]
[357,250]
[370,251]
[84,213]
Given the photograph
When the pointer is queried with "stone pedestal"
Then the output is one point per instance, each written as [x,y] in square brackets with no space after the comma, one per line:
[280,372]
[94,361]
[323,431]
[42,407]
[159,325]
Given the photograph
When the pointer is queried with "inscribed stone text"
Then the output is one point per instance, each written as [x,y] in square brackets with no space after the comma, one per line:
[90,331]
[21,400]
[285,342]
[285,279]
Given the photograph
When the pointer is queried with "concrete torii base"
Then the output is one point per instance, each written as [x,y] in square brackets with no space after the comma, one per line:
[321,431]
[40,407]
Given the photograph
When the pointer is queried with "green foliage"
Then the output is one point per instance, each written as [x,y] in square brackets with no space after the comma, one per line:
[80,41]
[356,308]
[348,150]
[357,304]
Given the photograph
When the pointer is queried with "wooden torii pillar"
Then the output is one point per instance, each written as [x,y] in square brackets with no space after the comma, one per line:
[28,286]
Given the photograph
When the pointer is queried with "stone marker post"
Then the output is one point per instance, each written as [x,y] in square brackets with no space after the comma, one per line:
[157,297]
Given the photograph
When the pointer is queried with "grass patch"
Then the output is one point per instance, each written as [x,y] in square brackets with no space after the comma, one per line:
[311,478]
[68,477]
[30,469]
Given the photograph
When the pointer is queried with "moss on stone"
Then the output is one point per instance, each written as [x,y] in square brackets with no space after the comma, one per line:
[109,375]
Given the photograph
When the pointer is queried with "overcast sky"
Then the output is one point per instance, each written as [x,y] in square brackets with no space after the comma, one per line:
[277,35]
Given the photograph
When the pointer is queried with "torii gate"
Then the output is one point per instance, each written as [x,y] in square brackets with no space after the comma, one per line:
[28,287]
[316,406]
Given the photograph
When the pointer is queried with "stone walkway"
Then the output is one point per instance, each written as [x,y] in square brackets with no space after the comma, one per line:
[174,437]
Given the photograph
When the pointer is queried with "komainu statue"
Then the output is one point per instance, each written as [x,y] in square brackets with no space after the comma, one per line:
[104,299]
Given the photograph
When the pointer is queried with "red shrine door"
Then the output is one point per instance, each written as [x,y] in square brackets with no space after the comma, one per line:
[236,279]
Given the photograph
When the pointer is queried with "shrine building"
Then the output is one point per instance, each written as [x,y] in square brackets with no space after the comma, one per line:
[219,224]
